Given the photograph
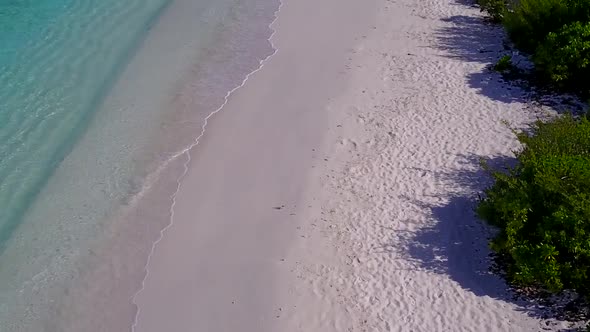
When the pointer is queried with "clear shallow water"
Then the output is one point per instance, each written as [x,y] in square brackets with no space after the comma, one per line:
[56,62]
[93,96]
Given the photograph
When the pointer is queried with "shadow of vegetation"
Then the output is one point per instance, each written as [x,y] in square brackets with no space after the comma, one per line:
[456,244]
[469,3]
[474,39]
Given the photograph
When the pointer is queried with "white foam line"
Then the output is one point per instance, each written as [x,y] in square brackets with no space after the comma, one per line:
[186,152]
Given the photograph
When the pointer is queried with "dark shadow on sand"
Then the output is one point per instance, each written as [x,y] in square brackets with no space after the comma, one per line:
[456,243]
[474,39]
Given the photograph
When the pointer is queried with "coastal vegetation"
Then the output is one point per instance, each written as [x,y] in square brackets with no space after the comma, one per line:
[555,33]
[541,206]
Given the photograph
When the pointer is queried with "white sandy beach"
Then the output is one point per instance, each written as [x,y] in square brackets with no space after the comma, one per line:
[334,191]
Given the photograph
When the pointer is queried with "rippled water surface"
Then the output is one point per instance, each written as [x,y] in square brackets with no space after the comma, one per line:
[79,105]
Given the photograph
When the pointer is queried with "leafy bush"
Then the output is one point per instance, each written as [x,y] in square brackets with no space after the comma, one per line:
[494,8]
[504,64]
[555,32]
[542,207]
[529,22]
[564,57]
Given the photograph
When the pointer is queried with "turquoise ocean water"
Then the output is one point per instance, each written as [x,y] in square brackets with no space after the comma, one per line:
[89,95]
[57,60]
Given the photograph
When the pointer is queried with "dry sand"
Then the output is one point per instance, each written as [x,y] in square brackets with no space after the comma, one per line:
[334,192]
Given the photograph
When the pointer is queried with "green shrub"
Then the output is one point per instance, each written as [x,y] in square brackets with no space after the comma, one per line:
[529,22]
[556,33]
[494,8]
[564,57]
[579,10]
[504,64]
[542,207]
